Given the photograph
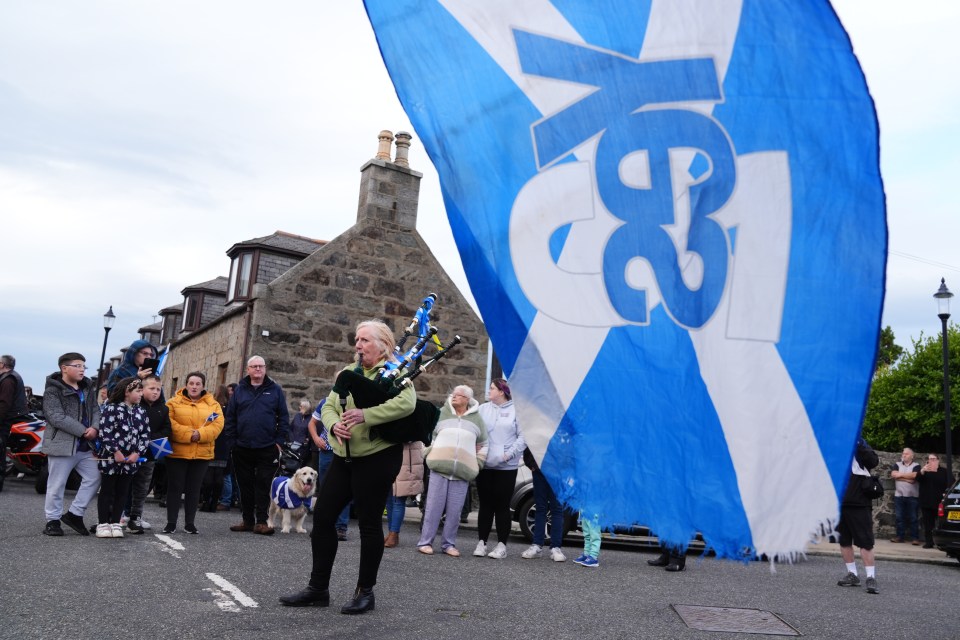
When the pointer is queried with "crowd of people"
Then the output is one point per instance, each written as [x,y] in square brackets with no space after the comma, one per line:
[225,448]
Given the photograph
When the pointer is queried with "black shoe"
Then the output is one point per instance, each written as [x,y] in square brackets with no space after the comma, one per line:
[675,565]
[362,602]
[170,528]
[189,528]
[928,546]
[53,529]
[75,522]
[342,535]
[309,597]
[660,561]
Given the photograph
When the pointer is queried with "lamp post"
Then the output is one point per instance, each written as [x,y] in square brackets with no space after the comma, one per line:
[943,296]
[108,319]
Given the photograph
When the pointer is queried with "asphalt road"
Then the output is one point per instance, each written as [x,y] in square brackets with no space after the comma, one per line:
[225,585]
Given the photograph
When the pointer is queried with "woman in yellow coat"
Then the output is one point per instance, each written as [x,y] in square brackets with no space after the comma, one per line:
[196,419]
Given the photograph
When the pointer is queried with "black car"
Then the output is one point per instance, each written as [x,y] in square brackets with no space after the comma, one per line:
[523,511]
[946,536]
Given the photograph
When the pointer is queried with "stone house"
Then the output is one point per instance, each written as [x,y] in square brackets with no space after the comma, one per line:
[296,301]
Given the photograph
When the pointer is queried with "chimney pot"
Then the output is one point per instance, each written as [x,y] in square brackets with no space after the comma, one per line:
[403,149]
[383,150]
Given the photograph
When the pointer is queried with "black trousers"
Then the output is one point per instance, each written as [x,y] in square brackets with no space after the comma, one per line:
[929,518]
[494,490]
[254,470]
[366,480]
[114,490]
[184,477]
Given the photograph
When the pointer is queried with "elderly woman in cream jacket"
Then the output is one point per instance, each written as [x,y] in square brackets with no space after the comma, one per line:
[458,452]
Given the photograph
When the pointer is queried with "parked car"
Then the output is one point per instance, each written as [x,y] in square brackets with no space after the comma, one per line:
[523,511]
[946,535]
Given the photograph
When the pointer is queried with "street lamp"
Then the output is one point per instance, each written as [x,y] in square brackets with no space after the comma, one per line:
[108,319]
[943,296]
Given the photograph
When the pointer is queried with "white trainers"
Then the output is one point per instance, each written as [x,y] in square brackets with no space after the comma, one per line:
[104,530]
[116,530]
[556,555]
[124,519]
[499,552]
[143,523]
[533,551]
[481,549]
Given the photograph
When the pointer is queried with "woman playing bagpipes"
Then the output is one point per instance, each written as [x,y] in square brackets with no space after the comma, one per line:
[363,469]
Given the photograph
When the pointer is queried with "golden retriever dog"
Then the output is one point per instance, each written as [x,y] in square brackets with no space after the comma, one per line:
[291,497]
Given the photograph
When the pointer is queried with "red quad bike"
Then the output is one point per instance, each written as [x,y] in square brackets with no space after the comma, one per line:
[23,453]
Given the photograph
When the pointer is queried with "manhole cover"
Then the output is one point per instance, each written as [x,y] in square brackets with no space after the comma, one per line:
[733,620]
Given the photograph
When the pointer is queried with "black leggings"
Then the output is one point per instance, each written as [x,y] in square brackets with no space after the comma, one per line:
[114,490]
[494,489]
[366,480]
[184,477]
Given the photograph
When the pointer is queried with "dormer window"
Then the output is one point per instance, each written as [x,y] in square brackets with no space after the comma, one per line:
[241,277]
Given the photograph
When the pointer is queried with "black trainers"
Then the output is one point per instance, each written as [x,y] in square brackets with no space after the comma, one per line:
[189,528]
[849,580]
[75,522]
[872,586]
[170,528]
[53,528]
[134,526]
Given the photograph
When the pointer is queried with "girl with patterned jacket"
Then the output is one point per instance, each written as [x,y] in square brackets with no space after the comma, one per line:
[458,452]
[125,438]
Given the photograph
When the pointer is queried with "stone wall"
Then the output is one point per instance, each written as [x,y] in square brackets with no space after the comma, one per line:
[883,514]
[210,350]
[367,272]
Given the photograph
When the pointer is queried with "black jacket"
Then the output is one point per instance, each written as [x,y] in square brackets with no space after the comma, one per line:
[868,459]
[158,416]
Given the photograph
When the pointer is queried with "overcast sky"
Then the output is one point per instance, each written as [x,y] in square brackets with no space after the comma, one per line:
[140,140]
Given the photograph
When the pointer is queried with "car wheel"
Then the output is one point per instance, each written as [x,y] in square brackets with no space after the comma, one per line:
[525,516]
[527,513]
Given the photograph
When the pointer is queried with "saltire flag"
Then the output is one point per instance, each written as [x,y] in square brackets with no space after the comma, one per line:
[160,448]
[163,359]
[672,219]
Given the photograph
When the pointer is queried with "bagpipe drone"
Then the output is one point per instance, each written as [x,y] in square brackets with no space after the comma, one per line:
[396,375]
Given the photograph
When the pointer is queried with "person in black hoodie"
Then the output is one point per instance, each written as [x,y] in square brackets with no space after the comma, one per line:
[158,416]
[856,520]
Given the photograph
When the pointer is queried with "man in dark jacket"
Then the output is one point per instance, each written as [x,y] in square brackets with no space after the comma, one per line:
[856,520]
[934,482]
[13,403]
[132,365]
[73,420]
[257,424]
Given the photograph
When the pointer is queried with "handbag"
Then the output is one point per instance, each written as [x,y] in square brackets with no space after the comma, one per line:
[871,487]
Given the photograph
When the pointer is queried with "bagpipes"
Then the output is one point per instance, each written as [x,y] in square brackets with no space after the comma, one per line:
[394,377]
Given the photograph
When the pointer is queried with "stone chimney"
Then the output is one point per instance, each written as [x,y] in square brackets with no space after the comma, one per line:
[389,191]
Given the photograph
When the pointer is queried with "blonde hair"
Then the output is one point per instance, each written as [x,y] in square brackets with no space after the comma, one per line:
[381,335]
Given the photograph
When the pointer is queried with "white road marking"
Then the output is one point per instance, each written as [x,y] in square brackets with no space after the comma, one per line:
[224,601]
[238,595]
[170,542]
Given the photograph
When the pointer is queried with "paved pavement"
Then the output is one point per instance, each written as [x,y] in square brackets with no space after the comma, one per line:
[224,585]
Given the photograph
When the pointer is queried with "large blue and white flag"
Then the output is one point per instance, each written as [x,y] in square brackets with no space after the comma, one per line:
[672,219]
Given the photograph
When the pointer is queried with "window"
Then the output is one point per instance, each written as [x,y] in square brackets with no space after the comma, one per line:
[191,311]
[241,277]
